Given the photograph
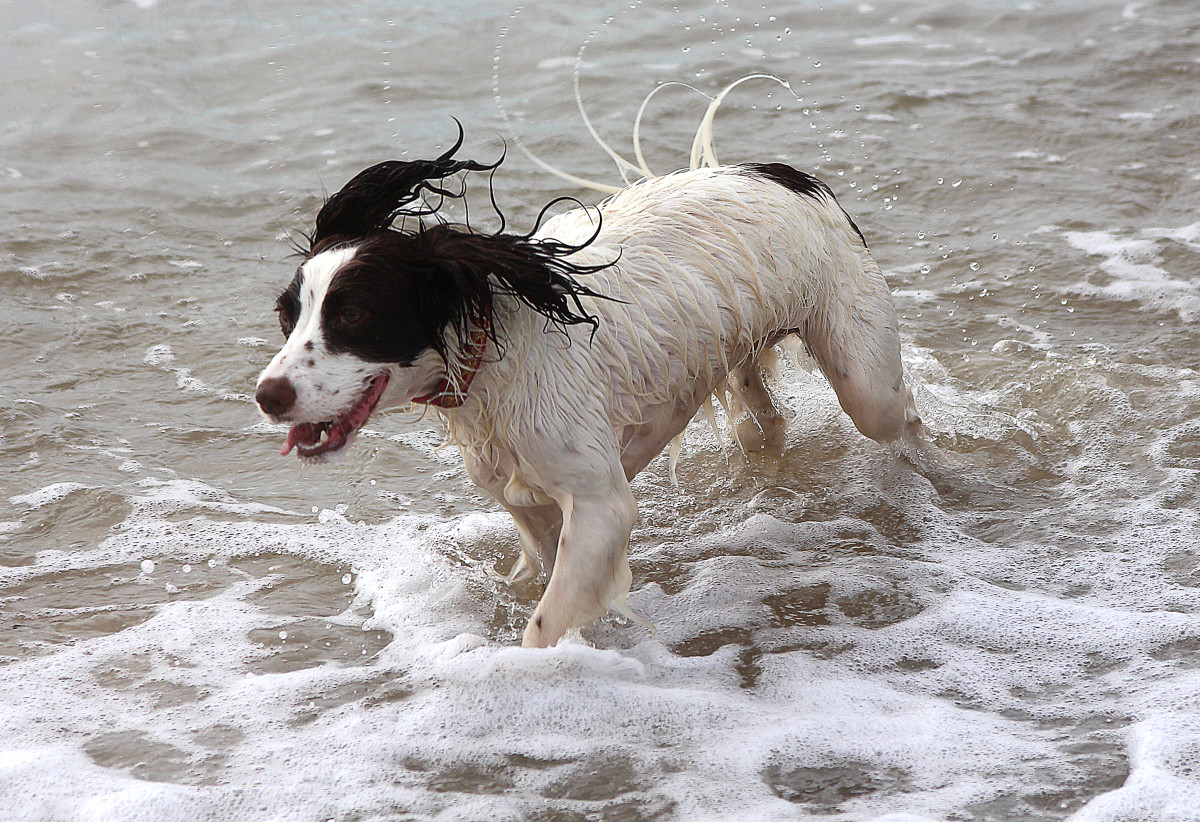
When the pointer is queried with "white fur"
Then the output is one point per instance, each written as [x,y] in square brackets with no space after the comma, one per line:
[716,265]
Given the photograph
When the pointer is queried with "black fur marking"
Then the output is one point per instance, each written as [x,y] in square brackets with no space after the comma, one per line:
[376,196]
[408,287]
[401,289]
[287,305]
[800,183]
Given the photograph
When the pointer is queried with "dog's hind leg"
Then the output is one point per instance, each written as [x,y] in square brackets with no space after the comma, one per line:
[761,425]
[854,335]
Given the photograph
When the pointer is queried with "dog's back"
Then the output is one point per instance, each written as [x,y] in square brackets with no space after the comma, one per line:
[716,265]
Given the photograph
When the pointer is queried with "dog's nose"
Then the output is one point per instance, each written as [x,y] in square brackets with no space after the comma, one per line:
[275,396]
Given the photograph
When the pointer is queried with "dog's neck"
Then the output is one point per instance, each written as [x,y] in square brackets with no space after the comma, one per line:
[451,392]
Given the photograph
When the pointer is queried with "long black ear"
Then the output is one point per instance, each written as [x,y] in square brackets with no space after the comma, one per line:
[378,195]
[462,273]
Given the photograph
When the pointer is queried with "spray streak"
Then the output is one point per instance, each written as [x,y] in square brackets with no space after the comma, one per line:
[702,153]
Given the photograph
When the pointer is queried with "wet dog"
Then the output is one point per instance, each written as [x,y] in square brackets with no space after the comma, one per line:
[565,359]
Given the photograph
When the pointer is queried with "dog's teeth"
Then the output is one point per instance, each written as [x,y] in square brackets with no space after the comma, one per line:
[324,435]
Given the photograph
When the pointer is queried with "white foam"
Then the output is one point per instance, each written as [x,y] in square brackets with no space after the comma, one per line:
[1134,266]
[49,494]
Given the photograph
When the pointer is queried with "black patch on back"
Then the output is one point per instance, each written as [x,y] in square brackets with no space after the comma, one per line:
[800,183]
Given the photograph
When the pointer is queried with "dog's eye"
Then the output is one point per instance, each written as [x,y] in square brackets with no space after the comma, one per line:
[286,322]
[350,316]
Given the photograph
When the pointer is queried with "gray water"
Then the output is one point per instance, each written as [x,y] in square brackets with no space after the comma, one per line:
[195,628]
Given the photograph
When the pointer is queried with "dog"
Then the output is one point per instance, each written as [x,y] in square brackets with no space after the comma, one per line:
[564,360]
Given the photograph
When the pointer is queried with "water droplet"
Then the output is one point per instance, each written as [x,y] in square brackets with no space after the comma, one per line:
[147,566]
[974,266]
[346,579]
[187,569]
[925,269]
[956,184]
[283,635]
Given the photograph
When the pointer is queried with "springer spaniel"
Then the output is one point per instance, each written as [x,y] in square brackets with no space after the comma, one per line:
[564,360]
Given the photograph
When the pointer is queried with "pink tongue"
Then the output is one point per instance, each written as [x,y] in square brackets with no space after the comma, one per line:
[302,433]
[309,433]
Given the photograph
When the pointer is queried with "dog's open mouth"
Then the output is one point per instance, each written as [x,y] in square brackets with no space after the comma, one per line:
[312,439]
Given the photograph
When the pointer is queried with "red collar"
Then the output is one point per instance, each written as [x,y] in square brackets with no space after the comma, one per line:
[452,394]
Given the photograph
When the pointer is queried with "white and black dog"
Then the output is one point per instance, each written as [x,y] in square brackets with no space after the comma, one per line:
[564,360]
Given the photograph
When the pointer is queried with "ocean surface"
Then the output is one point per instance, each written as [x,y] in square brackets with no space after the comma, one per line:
[195,628]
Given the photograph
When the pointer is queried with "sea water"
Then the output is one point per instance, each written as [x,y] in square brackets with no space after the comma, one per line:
[195,628]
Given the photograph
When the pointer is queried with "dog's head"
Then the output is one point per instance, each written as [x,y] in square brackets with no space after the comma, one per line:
[378,316]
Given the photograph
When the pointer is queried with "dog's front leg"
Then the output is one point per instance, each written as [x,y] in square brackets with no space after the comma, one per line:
[591,569]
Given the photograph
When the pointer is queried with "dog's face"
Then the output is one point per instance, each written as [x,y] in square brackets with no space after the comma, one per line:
[374,313]
[356,342]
